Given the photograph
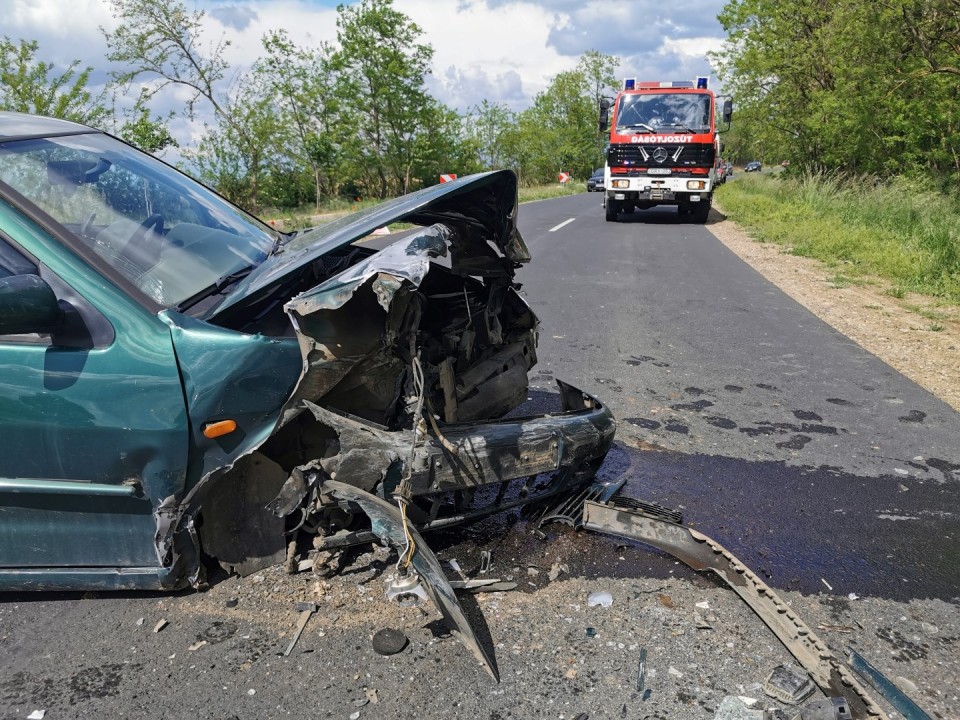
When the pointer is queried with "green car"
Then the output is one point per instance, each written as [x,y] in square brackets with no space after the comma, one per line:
[180,381]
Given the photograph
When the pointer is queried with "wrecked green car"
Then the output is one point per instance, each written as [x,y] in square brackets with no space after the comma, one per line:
[180,381]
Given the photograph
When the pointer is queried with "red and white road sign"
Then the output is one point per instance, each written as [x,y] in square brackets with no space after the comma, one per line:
[448,178]
[563,177]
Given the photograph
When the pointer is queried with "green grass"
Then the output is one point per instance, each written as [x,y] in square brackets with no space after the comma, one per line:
[544,192]
[901,232]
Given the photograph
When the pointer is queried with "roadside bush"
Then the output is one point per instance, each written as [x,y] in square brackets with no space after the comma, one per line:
[902,230]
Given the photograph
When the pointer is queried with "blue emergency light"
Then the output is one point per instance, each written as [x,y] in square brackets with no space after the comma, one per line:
[629,83]
[701,83]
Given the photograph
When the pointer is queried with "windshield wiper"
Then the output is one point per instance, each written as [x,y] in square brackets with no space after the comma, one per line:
[639,125]
[683,128]
[219,286]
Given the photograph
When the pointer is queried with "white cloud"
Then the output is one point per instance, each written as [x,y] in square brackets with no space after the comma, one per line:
[493,46]
[501,50]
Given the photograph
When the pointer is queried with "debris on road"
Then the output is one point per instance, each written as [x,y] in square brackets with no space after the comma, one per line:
[161,624]
[197,645]
[641,669]
[301,624]
[37,715]
[601,598]
[735,708]
[389,641]
[788,685]
[832,708]
[894,695]
[700,622]
[703,553]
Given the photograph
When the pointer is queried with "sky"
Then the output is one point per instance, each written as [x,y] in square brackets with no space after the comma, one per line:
[504,51]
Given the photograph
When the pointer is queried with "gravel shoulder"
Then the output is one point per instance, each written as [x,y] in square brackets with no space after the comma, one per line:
[925,350]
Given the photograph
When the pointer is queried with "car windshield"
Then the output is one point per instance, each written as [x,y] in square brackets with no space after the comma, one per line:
[653,112]
[169,235]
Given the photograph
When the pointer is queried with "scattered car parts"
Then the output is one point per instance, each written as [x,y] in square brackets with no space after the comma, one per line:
[702,553]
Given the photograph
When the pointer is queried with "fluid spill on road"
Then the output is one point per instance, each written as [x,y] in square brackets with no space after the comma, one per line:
[794,526]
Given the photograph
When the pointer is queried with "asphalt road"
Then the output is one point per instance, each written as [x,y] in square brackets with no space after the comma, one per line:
[819,466]
[809,457]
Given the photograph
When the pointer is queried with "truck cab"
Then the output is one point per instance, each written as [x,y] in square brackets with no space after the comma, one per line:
[664,146]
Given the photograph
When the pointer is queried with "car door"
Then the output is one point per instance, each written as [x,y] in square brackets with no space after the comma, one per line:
[93,426]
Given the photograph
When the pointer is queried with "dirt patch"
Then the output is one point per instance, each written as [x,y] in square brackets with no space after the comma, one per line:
[925,350]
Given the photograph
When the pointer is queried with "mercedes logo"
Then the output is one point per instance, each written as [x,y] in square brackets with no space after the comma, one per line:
[660,154]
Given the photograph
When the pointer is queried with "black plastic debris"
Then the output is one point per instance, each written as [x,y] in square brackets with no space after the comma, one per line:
[591,632]
[389,641]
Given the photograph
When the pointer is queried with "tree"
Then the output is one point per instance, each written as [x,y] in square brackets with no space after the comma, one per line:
[161,40]
[382,69]
[29,85]
[235,157]
[598,72]
[489,125]
[855,86]
[560,129]
[150,134]
[305,85]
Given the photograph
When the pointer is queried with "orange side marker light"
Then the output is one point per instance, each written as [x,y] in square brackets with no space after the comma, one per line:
[219,428]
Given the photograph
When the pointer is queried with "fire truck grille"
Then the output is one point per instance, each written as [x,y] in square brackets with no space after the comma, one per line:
[689,155]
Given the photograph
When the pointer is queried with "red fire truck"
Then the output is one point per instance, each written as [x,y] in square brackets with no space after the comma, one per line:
[664,147]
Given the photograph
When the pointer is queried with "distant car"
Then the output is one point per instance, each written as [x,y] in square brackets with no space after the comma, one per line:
[724,171]
[753,166]
[595,181]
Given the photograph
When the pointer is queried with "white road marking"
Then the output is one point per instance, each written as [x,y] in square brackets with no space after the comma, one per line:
[565,222]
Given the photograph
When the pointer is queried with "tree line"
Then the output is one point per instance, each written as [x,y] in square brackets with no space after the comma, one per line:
[351,119]
[865,87]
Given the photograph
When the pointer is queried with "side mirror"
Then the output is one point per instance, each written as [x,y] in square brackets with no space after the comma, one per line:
[27,305]
[605,105]
[727,110]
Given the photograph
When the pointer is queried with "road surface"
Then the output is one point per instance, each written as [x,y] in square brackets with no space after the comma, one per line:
[819,466]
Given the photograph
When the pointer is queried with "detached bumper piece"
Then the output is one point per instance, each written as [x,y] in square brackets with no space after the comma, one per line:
[702,553]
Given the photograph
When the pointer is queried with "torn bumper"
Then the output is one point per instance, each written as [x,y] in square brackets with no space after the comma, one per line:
[576,438]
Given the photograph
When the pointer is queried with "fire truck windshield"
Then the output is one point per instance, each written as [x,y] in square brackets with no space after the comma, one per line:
[650,112]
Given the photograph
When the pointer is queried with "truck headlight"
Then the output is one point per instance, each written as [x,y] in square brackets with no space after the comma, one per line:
[621,183]
[696,184]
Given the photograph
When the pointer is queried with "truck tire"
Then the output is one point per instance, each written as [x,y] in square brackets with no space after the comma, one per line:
[613,210]
[700,211]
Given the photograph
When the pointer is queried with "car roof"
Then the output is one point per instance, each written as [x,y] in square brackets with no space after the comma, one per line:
[18,126]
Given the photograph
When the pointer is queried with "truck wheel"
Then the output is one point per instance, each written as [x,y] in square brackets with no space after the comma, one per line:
[700,211]
[613,210]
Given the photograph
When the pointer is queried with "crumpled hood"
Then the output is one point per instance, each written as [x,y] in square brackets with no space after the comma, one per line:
[482,209]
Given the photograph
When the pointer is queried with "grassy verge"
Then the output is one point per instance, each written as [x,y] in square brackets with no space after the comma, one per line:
[901,233]
[544,192]
[298,218]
